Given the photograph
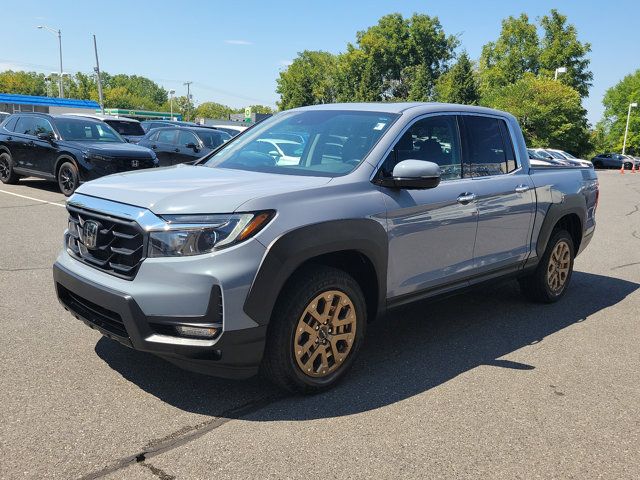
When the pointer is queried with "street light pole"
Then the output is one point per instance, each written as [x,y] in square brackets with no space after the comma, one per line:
[626,130]
[188,84]
[59,34]
[171,93]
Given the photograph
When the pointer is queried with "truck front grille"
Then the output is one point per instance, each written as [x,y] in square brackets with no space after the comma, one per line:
[113,245]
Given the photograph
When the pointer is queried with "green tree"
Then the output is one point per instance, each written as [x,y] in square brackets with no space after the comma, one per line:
[514,53]
[307,81]
[560,47]
[397,59]
[257,109]
[24,83]
[616,104]
[213,110]
[550,113]
[460,84]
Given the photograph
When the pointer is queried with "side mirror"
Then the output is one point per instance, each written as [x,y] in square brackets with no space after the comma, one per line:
[413,174]
[126,139]
[192,146]
[46,136]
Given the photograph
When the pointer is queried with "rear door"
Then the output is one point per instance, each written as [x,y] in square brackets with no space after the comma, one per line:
[503,193]
[431,232]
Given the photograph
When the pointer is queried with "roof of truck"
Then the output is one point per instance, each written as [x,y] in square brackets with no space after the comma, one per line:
[400,107]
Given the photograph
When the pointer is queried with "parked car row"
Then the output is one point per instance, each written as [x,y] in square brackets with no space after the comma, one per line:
[71,149]
[615,160]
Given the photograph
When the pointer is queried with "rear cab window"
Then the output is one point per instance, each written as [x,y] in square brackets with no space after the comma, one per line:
[488,147]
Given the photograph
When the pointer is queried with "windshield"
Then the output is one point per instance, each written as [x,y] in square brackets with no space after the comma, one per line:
[334,142]
[536,155]
[555,155]
[80,130]
[124,127]
[568,155]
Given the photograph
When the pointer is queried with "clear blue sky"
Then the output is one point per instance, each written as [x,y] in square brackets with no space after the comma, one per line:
[233,50]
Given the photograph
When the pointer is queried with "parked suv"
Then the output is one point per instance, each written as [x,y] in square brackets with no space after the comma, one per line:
[174,145]
[242,263]
[67,149]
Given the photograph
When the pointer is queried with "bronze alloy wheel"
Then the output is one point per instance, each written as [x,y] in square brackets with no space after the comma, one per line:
[558,267]
[325,334]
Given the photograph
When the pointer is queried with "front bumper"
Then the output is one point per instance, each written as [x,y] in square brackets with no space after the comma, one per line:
[117,315]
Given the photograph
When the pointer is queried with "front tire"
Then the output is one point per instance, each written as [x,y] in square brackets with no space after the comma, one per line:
[316,330]
[68,179]
[549,282]
[7,175]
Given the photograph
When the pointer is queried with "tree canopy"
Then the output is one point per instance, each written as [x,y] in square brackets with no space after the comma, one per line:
[550,113]
[459,85]
[520,50]
[610,130]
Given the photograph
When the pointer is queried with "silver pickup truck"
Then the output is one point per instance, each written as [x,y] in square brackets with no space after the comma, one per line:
[246,263]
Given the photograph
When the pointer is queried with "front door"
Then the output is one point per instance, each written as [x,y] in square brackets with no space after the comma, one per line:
[431,232]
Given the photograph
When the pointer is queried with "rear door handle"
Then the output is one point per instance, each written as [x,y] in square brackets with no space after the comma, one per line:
[522,188]
[177,150]
[466,198]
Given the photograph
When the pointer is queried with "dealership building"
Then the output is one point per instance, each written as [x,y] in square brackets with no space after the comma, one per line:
[12,103]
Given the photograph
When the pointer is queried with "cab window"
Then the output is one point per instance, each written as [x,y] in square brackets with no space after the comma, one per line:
[434,139]
[488,147]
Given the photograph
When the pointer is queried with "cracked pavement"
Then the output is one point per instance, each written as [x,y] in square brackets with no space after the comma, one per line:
[484,384]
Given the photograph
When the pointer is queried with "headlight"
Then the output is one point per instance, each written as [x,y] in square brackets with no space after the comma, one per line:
[186,235]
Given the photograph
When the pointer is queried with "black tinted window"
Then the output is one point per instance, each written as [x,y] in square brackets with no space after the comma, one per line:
[486,152]
[434,139]
[11,124]
[211,139]
[167,136]
[29,125]
[185,138]
[125,128]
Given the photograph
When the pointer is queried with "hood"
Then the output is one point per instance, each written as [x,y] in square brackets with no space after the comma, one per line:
[113,149]
[191,189]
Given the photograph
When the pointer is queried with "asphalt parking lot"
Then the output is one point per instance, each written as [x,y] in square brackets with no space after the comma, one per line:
[484,385]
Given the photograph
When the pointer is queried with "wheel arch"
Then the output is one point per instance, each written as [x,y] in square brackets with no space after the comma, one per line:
[570,215]
[357,246]
[63,157]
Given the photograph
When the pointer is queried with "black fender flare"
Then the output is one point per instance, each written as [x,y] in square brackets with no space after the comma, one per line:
[63,157]
[574,203]
[288,252]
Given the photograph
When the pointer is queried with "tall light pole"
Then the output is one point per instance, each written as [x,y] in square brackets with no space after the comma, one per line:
[626,130]
[97,69]
[59,34]
[559,70]
[171,93]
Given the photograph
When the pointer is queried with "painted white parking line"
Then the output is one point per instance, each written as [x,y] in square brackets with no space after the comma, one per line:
[34,199]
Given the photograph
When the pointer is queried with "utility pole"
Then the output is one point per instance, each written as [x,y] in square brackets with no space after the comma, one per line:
[626,130]
[97,69]
[188,84]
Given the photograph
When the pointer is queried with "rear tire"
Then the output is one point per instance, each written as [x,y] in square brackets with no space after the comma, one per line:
[7,175]
[316,330]
[549,282]
[68,179]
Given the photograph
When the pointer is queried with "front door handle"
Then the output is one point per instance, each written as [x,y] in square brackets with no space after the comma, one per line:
[177,150]
[522,188]
[466,198]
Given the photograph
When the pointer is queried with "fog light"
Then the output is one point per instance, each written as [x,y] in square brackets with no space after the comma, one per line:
[196,332]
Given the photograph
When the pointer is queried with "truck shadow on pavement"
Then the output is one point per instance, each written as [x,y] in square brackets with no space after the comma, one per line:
[414,349]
